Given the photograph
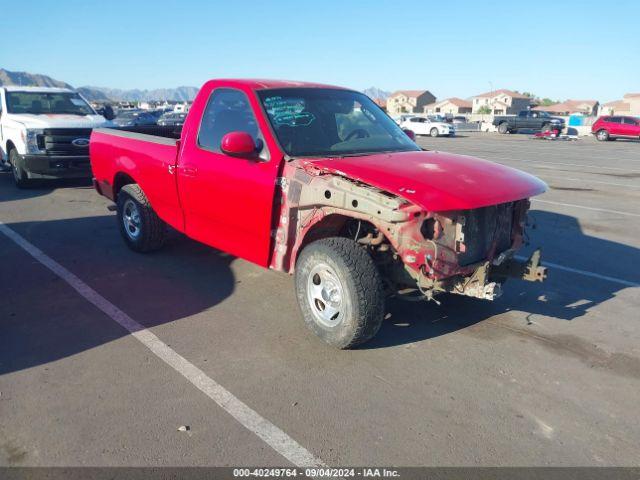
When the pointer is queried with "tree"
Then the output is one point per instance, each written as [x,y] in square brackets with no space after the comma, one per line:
[484,110]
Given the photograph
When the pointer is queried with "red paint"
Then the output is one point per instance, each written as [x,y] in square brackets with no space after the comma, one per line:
[617,126]
[238,144]
[438,181]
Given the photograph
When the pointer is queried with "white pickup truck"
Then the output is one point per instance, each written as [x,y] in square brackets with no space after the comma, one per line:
[44,133]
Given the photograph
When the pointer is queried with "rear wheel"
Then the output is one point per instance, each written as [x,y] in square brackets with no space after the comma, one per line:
[141,228]
[433,132]
[19,173]
[339,291]
[503,128]
[602,135]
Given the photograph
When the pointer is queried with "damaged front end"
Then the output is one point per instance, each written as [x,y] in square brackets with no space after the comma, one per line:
[474,251]
[465,252]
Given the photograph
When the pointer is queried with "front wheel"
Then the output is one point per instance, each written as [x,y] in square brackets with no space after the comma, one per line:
[503,128]
[434,132]
[141,228]
[20,176]
[339,291]
[602,135]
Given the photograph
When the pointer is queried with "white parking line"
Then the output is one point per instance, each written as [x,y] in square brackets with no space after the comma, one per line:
[583,180]
[626,283]
[249,418]
[573,205]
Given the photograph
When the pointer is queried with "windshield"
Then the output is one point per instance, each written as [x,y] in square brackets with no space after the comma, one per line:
[328,122]
[47,102]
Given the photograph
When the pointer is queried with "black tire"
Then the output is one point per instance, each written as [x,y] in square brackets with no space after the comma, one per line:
[602,135]
[434,132]
[19,173]
[503,128]
[150,231]
[362,302]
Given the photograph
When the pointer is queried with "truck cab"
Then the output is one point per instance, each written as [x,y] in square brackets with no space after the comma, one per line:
[44,133]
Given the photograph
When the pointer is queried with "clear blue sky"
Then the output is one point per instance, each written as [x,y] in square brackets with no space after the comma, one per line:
[587,49]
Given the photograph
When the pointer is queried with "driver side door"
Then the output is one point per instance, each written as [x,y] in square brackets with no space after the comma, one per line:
[227,201]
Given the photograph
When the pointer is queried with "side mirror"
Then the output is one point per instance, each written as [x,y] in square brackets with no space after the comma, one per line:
[108,112]
[239,144]
[410,133]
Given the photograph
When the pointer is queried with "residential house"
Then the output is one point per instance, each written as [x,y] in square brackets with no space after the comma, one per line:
[449,107]
[569,107]
[500,102]
[409,101]
[629,105]
[381,102]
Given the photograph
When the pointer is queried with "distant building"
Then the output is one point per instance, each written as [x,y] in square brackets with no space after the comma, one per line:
[569,107]
[629,105]
[409,101]
[500,102]
[449,107]
[381,102]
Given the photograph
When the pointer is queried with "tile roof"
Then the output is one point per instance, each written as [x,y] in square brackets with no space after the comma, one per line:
[495,93]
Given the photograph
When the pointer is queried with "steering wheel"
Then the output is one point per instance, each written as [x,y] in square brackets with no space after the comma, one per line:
[358,133]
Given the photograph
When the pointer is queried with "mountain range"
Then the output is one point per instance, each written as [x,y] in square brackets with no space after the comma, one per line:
[104,94]
[99,94]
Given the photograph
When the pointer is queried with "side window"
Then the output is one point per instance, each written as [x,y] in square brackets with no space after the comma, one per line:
[615,120]
[227,110]
[630,121]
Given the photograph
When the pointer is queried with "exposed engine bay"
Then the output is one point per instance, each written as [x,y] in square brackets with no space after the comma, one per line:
[466,252]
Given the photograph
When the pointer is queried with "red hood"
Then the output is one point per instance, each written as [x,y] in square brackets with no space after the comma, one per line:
[437,181]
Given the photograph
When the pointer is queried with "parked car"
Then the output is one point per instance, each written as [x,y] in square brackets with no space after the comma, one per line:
[399,119]
[129,118]
[319,182]
[44,133]
[459,120]
[529,120]
[173,119]
[616,126]
[425,126]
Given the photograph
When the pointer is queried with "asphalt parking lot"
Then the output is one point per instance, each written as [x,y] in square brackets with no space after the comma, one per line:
[549,374]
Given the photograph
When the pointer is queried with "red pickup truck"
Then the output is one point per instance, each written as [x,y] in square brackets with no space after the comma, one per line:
[318,181]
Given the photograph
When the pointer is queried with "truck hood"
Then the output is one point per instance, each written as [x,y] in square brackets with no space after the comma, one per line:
[55,120]
[437,181]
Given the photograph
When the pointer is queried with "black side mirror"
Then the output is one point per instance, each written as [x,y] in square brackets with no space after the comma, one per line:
[108,112]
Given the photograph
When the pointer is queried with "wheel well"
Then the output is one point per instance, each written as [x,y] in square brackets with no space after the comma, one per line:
[336,225]
[121,179]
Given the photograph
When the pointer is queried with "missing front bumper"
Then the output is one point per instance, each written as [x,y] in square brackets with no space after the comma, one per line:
[486,280]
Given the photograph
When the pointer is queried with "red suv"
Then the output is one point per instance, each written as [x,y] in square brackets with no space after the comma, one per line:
[612,127]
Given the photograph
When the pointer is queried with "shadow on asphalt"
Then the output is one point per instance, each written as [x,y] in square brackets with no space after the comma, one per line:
[39,188]
[564,296]
[45,320]
[187,278]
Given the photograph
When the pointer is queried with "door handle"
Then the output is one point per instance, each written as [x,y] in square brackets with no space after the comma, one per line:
[189,171]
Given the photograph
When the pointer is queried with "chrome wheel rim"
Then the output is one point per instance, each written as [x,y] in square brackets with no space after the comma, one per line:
[131,219]
[602,135]
[434,132]
[325,295]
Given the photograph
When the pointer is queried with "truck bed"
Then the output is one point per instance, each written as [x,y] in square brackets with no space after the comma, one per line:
[168,131]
